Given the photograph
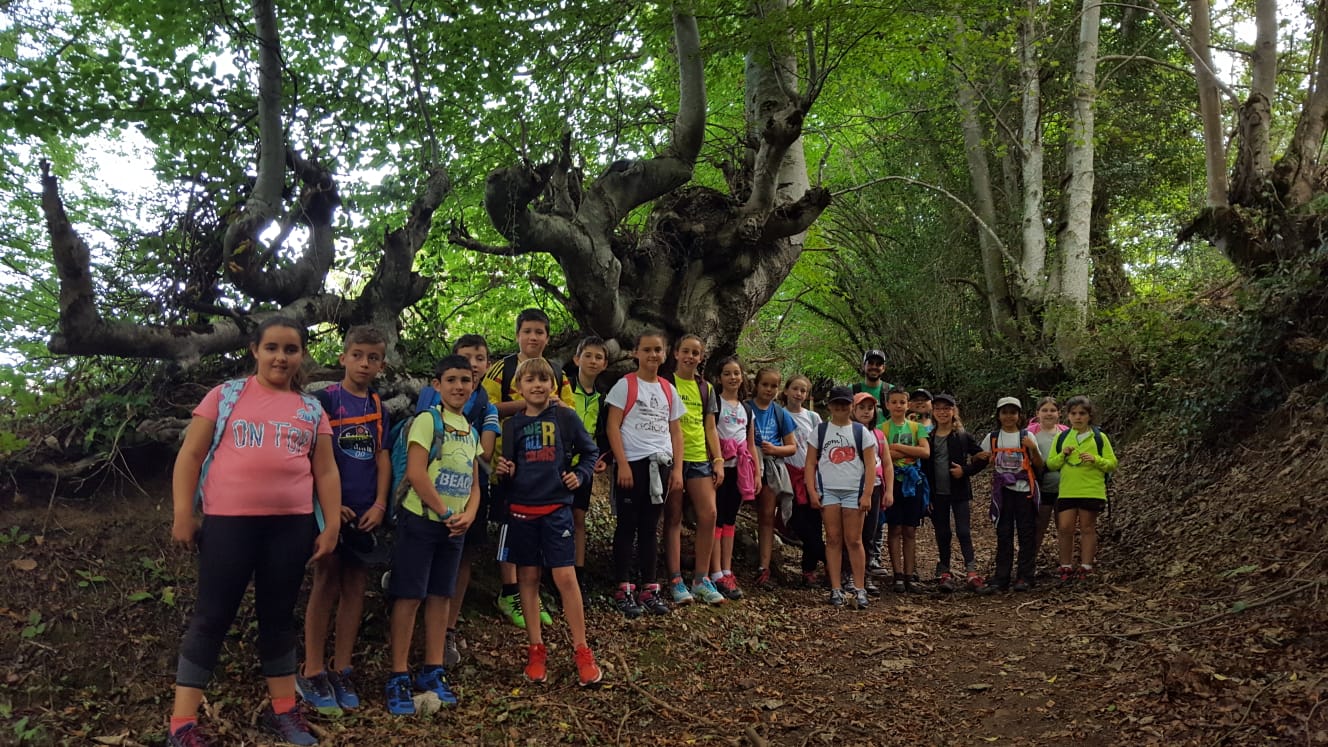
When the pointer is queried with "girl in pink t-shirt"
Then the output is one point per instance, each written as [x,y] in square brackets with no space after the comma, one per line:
[257,497]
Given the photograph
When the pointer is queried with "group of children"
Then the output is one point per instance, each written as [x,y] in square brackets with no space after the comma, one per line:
[303,479]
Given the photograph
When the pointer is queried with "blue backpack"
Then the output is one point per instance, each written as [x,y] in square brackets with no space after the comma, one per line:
[230,394]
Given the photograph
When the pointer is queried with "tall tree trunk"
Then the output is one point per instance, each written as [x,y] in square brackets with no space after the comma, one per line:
[979,174]
[1073,241]
[1210,104]
[1034,258]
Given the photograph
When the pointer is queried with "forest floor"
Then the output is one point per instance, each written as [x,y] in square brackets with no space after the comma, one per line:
[1219,645]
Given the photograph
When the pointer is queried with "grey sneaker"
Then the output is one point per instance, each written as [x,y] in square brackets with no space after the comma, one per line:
[451,654]
[837,597]
[861,599]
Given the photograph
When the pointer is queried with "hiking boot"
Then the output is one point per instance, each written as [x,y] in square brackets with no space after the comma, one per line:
[705,591]
[1021,584]
[188,736]
[399,701]
[861,599]
[728,586]
[451,654]
[836,598]
[344,689]
[946,584]
[762,580]
[899,586]
[652,602]
[510,606]
[625,600]
[537,657]
[435,680]
[1065,574]
[678,590]
[290,726]
[871,588]
[587,671]
[317,692]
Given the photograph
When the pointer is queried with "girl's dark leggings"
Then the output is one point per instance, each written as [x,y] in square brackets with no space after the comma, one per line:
[1018,519]
[806,523]
[270,550]
[728,499]
[942,507]
[638,524]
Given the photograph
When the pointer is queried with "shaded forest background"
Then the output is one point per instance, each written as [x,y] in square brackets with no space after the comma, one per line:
[944,192]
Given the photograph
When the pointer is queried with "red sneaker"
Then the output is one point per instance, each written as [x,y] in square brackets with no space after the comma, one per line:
[537,657]
[1084,573]
[587,671]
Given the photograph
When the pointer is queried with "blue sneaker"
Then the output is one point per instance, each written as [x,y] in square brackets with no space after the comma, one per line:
[317,692]
[435,680]
[344,689]
[399,701]
[289,727]
[678,590]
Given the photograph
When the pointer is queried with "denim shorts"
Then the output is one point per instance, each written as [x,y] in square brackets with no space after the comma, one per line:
[692,470]
[425,558]
[547,541]
[842,498]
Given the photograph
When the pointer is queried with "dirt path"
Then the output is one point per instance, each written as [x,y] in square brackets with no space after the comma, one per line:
[92,610]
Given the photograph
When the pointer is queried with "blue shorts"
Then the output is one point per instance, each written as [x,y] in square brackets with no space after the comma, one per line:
[425,558]
[692,470]
[542,541]
[842,498]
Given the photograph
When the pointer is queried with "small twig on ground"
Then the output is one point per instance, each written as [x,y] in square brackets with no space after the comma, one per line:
[647,695]
[621,724]
[812,735]
[755,739]
[1249,707]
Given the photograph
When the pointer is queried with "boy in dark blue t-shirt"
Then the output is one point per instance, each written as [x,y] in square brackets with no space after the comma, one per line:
[539,445]
[359,425]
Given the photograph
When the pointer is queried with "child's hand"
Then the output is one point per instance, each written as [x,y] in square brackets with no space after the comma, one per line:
[956,471]
[983,456]
[183,530]
[601,465]
[814,500]
[675,480]
[459,524]
[324,544]
[625,476]
[1087,457]
[505,467]
[887,501]
[1068,450]
[719,473]
[371,519]
[347,514]
[571,480]
[768,448]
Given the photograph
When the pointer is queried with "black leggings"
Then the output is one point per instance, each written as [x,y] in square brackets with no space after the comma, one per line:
[271,550]
[942,507]
[1018,519]
[806,523]
[728,499]
[638,524]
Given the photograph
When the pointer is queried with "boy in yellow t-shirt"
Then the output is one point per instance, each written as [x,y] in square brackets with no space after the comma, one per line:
[443,471]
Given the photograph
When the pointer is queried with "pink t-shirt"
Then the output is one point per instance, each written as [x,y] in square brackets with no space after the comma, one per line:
[262,466]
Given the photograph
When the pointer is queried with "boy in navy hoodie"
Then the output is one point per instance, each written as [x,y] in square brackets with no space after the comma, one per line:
[539,445]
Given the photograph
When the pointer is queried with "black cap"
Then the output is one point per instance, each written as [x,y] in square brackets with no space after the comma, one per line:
[840,394]
[920,394]
[872,354]
[943,397]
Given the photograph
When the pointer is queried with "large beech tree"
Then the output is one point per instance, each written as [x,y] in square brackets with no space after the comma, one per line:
[702,259]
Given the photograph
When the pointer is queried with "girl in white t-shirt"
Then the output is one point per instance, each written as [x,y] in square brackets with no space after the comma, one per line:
[742,471]
[646,439]
[806,521]
[839,480]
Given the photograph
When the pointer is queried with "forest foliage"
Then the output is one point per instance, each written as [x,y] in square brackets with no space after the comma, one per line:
[148,117]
